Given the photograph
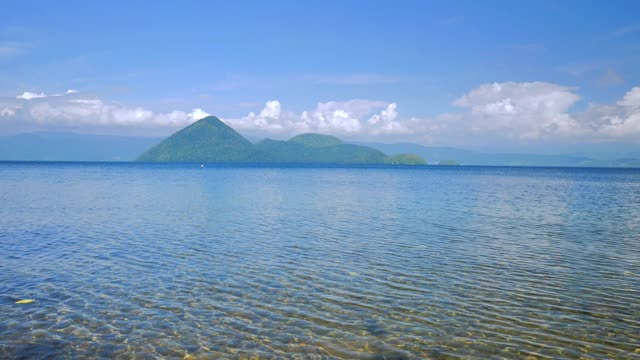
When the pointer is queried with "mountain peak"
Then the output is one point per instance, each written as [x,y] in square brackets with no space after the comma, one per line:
[211,120]
[206,140]
[211,140]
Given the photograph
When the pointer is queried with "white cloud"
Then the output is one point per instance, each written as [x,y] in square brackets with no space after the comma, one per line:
[619,121]
[197,114]
[7,111]
[73,110]
[540,111]
[520,110]
[386,122]
[509,111]
[512,110]
[631,99]
[340,118]
[271,110]
[499,112]
[29,95]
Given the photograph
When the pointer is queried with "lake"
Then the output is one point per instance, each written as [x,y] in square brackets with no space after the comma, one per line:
[149,261]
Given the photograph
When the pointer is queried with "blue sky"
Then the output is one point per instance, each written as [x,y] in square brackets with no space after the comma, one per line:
[341,63]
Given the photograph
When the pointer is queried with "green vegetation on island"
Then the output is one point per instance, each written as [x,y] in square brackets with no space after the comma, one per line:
[206,140]
[448,163]
[316,140]
[275,151]
[211,140]
[54,146]
[407,159]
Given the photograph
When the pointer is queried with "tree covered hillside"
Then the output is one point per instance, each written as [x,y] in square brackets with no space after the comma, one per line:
[211,140]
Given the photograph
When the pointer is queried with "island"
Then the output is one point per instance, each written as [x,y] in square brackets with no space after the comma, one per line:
[448,163]
[209,140]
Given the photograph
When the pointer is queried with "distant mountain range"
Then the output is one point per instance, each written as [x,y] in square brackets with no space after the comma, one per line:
[83,147]
[73,147]
[435,155]
[211,140]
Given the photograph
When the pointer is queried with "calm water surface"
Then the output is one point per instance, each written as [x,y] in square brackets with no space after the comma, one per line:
[173,261]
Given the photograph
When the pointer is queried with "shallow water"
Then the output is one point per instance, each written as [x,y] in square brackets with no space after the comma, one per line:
[170,261]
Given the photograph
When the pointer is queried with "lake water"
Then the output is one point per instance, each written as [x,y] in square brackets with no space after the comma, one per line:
[176,261]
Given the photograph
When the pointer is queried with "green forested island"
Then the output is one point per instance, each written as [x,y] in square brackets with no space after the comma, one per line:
[211,140]
[448,163]
[67,146]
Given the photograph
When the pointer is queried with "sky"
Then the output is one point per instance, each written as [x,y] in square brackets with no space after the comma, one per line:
[474,74]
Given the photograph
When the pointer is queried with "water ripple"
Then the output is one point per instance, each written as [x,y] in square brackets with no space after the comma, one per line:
[172,261]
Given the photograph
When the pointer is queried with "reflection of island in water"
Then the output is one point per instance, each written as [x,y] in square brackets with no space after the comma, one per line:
[211,140]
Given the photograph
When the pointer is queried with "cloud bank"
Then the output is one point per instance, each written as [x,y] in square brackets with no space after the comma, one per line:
[74,110]
[355,117]
[508,111]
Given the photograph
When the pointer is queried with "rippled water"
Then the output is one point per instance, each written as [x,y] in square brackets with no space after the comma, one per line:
[171,261]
